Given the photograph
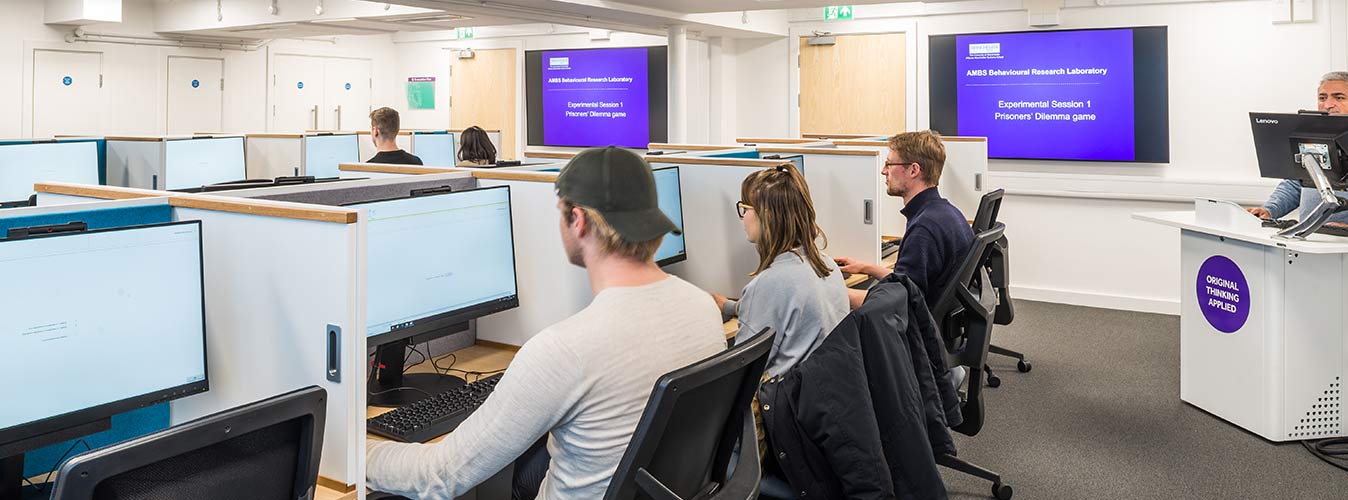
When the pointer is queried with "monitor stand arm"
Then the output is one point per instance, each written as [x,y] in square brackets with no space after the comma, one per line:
[1329,202]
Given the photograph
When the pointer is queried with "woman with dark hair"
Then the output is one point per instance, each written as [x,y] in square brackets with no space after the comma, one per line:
[475,148]
[797,290]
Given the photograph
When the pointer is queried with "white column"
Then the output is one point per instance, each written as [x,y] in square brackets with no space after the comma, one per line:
[678,84]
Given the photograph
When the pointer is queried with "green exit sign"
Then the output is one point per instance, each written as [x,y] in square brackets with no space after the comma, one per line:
[836,12]
[463,33]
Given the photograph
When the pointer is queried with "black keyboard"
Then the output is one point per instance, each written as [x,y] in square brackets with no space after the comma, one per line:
[434,416]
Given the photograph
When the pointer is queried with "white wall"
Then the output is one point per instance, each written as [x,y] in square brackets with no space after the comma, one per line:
[763,66]
[135,76]
[1227,58]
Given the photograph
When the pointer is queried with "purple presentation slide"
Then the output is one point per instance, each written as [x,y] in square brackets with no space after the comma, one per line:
[1061,95]
[596,98]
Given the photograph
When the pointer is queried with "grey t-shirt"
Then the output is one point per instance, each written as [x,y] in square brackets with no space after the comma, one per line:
[796,303]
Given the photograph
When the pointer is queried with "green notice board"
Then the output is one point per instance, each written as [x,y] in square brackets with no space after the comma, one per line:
[421,92]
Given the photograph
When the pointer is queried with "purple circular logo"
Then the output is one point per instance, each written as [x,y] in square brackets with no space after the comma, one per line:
[1223,294]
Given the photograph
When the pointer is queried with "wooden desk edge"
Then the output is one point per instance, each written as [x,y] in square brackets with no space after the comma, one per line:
[690,147]
[516,175]
[821,151]
[99,192]
[701,160]
[770,140]
[266,208]
[554,155]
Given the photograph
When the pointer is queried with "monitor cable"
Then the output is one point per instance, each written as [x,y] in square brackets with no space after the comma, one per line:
[1333,451]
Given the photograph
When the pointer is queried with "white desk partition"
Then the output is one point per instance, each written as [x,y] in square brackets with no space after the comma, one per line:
[847,190]
[22,165]
[274,155]
[367,149]
[963,180]
[550,288]
[136,162]
[720,258]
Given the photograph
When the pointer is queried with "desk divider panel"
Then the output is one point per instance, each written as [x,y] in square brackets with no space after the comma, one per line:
[342,193]
[136,163]
[550,288]
[98,215]
[720,257]
[963,179]
[274,284]
[387,170]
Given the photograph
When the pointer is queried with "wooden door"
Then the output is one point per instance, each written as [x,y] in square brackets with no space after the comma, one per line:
[482,92]
[858,85]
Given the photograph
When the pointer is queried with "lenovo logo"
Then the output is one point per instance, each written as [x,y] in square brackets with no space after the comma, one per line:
[1266,121]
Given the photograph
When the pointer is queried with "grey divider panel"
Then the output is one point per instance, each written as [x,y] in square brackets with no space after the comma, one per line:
[341,193]
[839,187]
[273,285]
[550,288]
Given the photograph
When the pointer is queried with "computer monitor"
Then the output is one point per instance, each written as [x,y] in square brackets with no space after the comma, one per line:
[100,323]
[672,248]
[196,162]
[434,148]
[323,153]
[797,160]
[266,450]
[22,165]
[434,262]
[1279,138]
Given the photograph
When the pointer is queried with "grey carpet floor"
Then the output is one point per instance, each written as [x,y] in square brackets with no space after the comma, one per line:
[1099,416]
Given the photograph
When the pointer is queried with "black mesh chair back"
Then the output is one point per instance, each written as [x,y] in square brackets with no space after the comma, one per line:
[268,450]
[696,416]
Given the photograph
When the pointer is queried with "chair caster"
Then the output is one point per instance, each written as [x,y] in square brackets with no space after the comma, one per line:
[1024,366]
[994,381]
[1001,491]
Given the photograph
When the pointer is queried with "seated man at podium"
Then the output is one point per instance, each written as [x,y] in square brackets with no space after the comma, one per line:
[1289,194]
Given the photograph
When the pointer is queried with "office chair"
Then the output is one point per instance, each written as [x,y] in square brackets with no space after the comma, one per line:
[265,450]
[964,313]
[696,415]
[999,272]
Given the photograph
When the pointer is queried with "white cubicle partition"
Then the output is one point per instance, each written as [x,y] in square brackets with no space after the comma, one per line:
[720,257]
[174,162]
[277,275]
[274,155]
[550,288]
[438,148]
[136,162]
[847,190]
[367,149]
[963,180]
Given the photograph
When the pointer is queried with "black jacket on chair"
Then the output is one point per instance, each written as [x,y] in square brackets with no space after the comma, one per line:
[852,420]
[929,358]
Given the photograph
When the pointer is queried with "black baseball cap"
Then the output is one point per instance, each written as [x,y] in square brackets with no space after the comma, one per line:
[619,185]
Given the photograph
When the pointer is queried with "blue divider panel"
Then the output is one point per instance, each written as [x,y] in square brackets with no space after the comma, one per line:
[125,426]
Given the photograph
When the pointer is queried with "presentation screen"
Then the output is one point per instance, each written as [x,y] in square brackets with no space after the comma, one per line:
[431,257]
[1089,95]
[123,306]
[324,153]
[671,203]
[190,163]
[597,97]
[22,165]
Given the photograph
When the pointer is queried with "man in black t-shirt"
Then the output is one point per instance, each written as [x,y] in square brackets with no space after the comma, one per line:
[384,125]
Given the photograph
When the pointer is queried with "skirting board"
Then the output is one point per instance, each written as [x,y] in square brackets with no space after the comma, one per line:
[1137,304]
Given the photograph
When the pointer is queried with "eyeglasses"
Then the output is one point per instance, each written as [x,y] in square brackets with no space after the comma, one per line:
[899,163]
[742,208]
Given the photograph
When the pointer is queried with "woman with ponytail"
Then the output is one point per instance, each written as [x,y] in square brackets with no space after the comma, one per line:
[797,290]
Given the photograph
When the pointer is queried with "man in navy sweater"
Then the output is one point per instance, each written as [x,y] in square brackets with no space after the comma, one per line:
[937,234]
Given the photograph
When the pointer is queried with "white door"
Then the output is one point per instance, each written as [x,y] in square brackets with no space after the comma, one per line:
[297,93]
[346,104]
[67,93]
[195,95]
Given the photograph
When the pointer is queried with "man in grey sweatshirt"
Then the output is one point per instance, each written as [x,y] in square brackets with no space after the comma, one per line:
[584,381]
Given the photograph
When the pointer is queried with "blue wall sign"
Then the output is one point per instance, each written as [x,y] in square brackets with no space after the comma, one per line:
[299,85]
[1223,294]
[196,83]
[348,85]
[67,81]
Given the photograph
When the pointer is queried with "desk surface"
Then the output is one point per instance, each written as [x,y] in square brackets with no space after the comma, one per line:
[857,279]
[1313,244]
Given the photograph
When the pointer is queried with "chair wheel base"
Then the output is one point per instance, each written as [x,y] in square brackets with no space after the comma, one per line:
[1001,491]
[994,381]
[1024,366]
